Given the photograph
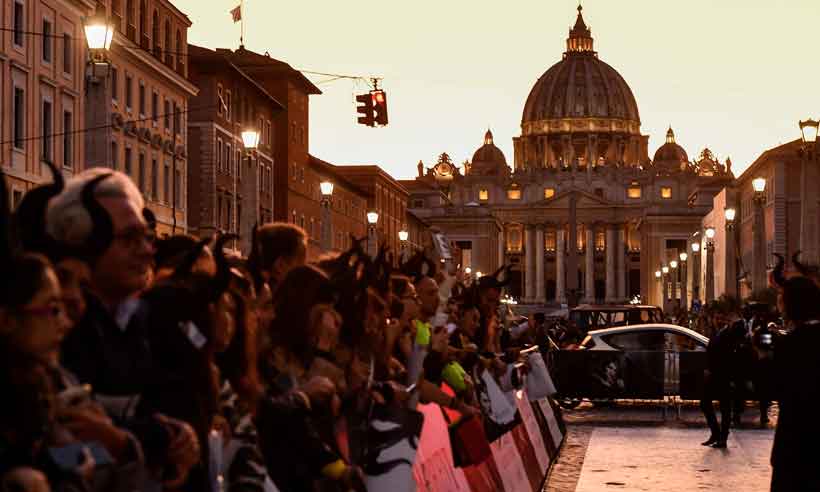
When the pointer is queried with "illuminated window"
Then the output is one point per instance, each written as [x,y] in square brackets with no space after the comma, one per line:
[549,241]
[634,191]
[514,233]
[666,192]
[600,241]
[514,193]
[483,195]
[549,193]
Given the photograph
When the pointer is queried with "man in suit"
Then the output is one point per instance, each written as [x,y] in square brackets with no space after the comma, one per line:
[797,369]
[752,320]
[723,359]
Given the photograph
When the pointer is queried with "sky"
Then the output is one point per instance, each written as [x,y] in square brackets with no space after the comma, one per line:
[732,75]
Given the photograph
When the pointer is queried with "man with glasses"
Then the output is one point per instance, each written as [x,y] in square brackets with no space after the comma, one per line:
[108,348]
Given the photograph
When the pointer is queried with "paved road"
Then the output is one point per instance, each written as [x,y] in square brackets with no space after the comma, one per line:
[636,447]
[670,459]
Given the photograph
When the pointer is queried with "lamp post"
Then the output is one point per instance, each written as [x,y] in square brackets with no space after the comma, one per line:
[326,188]
[730,267]
[372,246]
[99,34]
[759,235]
[684,288]
[809,235]
[665,272]
[403,237]
[709,295]
[696,277]
[250,140]
[673,270]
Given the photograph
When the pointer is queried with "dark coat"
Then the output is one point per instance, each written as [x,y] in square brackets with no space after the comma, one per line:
[729,354]
[797,370]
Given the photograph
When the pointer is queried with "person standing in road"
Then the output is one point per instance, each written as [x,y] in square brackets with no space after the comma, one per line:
[797,369]
[722,361]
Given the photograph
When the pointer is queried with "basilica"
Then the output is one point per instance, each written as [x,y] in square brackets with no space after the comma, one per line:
[584,214]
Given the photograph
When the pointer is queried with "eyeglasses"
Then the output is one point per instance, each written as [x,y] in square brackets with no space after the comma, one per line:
[51,310]
[135,236]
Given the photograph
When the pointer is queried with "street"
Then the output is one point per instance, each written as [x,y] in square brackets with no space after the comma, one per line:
[635,447]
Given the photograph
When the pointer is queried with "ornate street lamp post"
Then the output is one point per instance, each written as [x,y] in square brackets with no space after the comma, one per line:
[99,33]
[665,272]
[710,264]
[250,140]
[403,237]
[809,235]
[372,240]
[673,267]
[730,267]
[326,187]
[759,236]
[684,289]
[696,276]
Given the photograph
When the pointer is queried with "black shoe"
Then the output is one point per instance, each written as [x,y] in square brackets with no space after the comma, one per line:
[719,445]
[710,441]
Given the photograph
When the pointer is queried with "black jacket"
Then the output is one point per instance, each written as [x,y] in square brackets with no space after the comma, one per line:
[729,353]
[797,370]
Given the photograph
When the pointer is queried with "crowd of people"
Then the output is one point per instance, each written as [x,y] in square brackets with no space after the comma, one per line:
[131,362]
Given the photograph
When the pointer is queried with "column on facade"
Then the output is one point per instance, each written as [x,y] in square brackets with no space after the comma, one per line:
[560,258]
[809,211]
[611,294]
[540,294]
[529,264]
[589,265]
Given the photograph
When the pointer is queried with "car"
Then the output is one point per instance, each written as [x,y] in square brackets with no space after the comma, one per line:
[647,361]
[589,317]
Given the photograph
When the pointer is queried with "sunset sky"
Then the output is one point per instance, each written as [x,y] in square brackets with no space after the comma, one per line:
[732,75]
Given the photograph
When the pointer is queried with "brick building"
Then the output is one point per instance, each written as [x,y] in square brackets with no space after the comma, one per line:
[142,105]
[290,127]
[42,89]
[386,196]
[229,188]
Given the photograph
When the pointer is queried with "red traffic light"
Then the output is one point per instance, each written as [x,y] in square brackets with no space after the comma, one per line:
[380,106]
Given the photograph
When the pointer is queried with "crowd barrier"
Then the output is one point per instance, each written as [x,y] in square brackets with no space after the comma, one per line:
[519,461]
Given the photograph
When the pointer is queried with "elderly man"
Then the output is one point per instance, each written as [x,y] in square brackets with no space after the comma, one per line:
[108,348]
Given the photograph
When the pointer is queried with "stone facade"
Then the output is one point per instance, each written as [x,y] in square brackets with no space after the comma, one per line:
[585,214]
[141,106]
[42,89]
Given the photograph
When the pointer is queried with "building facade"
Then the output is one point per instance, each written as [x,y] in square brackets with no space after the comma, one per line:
[42,57]
[139,109]
[386,196]
[584,214]
[230,188]
[788,216]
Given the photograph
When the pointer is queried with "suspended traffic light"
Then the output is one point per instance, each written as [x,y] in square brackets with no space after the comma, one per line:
[380,106]
[365,109]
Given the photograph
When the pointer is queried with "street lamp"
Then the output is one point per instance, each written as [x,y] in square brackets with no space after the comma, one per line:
[683,257]
[684,290]
[710,233]
[658,274]
[250,139]
[759,235]
[809,247]
[468,270]
[665,269]
[403,237]
[665,287]
[478,274]
[99,33]
[673,264]
[696,247]
[326,188]
[710,263]
[808,130]
[372,220]
[730,214]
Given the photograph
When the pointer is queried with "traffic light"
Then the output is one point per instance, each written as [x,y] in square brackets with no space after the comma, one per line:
[365,109]
[380,106]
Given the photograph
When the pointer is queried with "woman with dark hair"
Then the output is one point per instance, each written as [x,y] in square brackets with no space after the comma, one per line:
[298,407]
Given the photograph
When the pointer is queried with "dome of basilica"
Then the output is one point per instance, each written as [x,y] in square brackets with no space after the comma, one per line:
[488,160]
[580,85]
[670,157]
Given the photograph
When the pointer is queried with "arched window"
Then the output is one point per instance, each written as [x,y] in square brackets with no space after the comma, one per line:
[155,34]
[167,44]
